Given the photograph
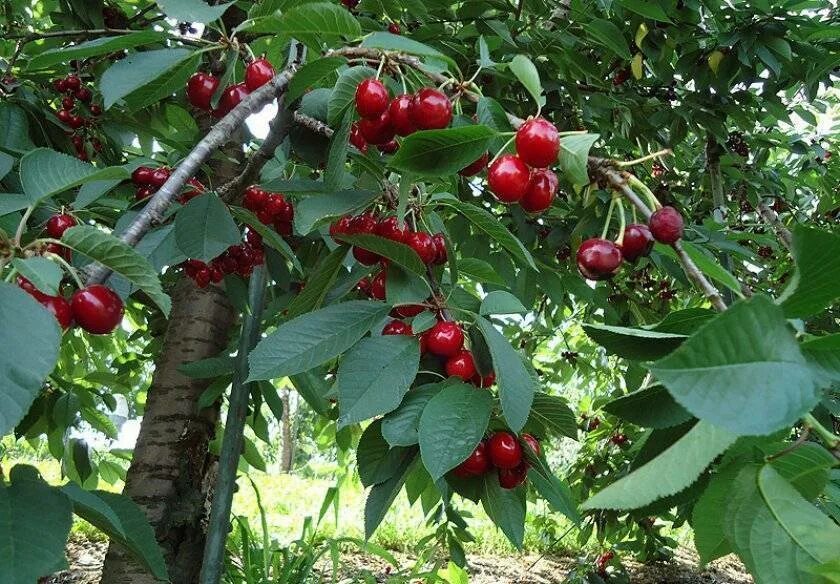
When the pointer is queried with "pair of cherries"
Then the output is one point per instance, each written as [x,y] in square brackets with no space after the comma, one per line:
[600,259]
[149,180]
[524,177]
[430,248]
[502,451]
[201,87]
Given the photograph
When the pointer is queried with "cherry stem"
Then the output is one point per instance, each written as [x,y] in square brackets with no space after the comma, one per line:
[609,218]
[12,273]
[622,222]
[654,202]
[70,269]
[22,224]
[827,436]
[472,79]
[502,149]
[657,154]
[381,65]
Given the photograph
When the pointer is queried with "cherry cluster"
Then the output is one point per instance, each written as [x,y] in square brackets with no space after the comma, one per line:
[201,87]
[149,180]
[502,451]
[736,143]
[75,96]
[383,118]
[237,259]
[96,309]
[524,177]
[270,208]
[600,259]
[430,248]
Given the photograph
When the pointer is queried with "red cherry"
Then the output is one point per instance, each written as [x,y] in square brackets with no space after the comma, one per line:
[485,381]
[461,365]
[283,227]
[541,190]
[216,274]
[58,224]
[407,310]
[603,560]
[394,28]
[423,244]
[59,250]
[475,167]
[364,223]
[255,198]
[97,309]
[512,478]
[83,94]
[431,109]
[97,145]
[397,327]
[445,338]
[508,178]
[356,138]
[598,259]
[532,442]
[76,122]
[377,130]
[60,309]
[476,463]
[141,175]
[64,116]
[343,225]
[440,248]
[281,208]
[231,97]
[618,439]
[371,98]
[78,141]
[400,113]
[389,228]
[95,110]
[200,89]
[538,143]
[364,256]
[158,177]
[258,73]
[504,450]
[143,193]
[60,85]
[28,286]
[72,82]
[68,103]
[377,286]
[666,225]
[637,242]
[389,147]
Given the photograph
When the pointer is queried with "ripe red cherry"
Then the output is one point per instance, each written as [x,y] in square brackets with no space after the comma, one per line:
[504,450]
[598,259]
[407,310]
[158,177]
[72,82]
[377,286]
[513,477]
[83,94]
[58,224]
[485,381]
[95,110]
[141,175]
[389,228]
[461,365]
[356,138]
[538,143]
[364,256]
[400,112]
[64,116]
[475,167]
[60,309]
[423,245]
[389,147]
[532,442]
[97,309]
[343,225]
[143,193]
[508,178]
[231,97]
[666,225]
[371,98]
[68,103]
[394,28]
[258,73]
[59,250]
[541,190]
[618,439]
[397,327]
[440,248]
[377,130]
[363,223]
[200,89]
[637,242]
[445,338]
[255,198]
[75,121]
[476,463]
[431,109]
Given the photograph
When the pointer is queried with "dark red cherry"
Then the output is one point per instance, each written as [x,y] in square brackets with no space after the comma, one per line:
[538,143]
[255,198]
[440,248]
[83,94]
[637,242]
[445,338]
[68,103]
[343,225]
[389,228]
[159,176]
[423,244]
[75,121]
[407,310]
[389,147]
[60,309]
[378,130]
[64,116]
[231,97]
[400,112]
[475,167]
[72,82]
[504,450]
[258,73]
[461,365]
[394,28]
[513,477]
[431,109]
[532,442]
[200,89]
[97,309]
[484,381]
[377,286]
[666,225]
[371,98]
[541,190]
[476,463]
[357,139]
[58,224]
[598,259]
[397,327]
[365,257]
[141,176]
[95,110]
[508,178]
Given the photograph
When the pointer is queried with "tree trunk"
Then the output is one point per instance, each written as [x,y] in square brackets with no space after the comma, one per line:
[287,455]
[172,471]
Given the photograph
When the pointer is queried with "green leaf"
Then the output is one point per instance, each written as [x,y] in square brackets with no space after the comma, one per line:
[34,522]
[313,389]
[374,376]
[204,228]
[381,496]
[311,74]
[647,8]
[806,468]
[505,508]
[316,208]
[344,92]
[492,227]
[651,407]
[814,284]
[14,128]
[30,338]
[442,152]
[556,492]
[404,287]
[480,271]
[147,73]
[270,237]
[669,473]
[311,339]
[632,343]
[337,157]
[321,19]
[400,427]
[399,253]
[208,368]
[527,73]
[573,157]
[706,264]
[707,519]
[44,274]
[100,46]
[122,521]
[516,386]
[501,302]
[45,172]
[376,460]
[553,415]
[319,283]
[742,371]
[491,114]
[609,35]
[193,10]
[119,258]
[823,353]
[451,426]
[403,44]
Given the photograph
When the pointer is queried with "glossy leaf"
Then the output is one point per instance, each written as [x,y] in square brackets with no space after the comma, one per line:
[442,152]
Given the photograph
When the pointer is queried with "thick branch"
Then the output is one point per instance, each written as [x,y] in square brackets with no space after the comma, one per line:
[772,219]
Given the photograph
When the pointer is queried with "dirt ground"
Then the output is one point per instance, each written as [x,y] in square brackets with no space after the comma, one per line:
[85,559]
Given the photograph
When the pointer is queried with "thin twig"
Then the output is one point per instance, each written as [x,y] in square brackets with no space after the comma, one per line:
[772,219]
[801,439]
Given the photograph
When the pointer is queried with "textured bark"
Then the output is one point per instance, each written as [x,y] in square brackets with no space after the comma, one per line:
[172,471]
[287,454]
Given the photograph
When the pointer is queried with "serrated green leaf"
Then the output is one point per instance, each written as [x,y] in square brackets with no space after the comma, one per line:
[399,253]
[501,302]
[45,172]
[556,492]
[403,44]
[805,467]
[553,415]
[92,48]
[319,283]
[204,228]
[44,274]
[651,407]
[505,507]
[633,343]
[823,353]
[647,8]
[376,460]
[337,157]
[270,237]
[609,35]
[814,284]
[400,427]
[573,157]
[480,271]
[317,208]
[144,72]
[311,74]
[527,73]
[322,19]
[442,152]
[381,496]
[707,519]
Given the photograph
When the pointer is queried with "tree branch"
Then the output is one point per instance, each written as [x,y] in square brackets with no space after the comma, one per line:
[772,219]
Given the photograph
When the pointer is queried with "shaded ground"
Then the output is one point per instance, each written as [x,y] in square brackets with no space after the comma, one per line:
[85,559]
